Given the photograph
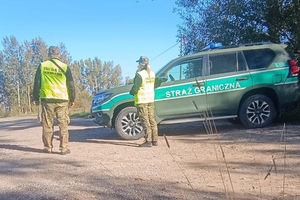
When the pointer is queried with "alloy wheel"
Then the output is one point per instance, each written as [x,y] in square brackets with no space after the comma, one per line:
[258,112]
[131,124]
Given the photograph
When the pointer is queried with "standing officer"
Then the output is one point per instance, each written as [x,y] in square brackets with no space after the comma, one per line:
[53,84]
[143,90]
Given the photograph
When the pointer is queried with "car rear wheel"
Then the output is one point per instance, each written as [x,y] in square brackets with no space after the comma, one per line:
[128,125]
[257,111]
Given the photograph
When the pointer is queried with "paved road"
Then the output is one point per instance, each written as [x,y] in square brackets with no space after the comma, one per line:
[103,166]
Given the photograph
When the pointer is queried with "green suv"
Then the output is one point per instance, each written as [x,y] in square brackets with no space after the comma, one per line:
[249,82]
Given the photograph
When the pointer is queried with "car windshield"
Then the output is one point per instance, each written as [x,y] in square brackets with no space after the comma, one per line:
[162,68]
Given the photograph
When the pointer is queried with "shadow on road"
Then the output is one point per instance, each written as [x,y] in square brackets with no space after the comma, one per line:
[99,135]
[85,130]
[20,148]
[19,124]
[98,185]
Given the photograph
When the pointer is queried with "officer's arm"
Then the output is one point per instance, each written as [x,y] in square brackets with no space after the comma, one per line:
[159,81]
[70,85]
[37,85]
[137,82]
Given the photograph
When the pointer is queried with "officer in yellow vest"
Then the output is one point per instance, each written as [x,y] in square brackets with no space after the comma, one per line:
[54,86]
[143,90]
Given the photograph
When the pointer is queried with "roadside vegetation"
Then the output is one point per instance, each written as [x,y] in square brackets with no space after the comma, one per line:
[19,61]
[238,22]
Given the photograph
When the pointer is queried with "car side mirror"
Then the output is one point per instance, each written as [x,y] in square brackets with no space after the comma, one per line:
[163,77]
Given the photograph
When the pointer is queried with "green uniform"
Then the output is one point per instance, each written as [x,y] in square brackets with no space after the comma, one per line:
[143,91]
[60,111]
[54,86]
[146,112]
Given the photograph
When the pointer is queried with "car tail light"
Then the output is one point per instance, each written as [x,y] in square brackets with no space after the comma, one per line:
[293,66]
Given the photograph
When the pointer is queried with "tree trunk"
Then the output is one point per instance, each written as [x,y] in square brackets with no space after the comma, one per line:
[29,100]
[19,98]
[96,83]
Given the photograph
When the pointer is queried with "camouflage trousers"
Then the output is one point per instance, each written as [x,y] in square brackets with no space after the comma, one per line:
[146,114]
[61,112]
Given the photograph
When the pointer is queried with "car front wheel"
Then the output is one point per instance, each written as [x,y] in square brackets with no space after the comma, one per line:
[128,125]
[257,111]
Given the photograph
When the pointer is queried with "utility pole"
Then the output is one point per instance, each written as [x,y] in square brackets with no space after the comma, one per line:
[182,44]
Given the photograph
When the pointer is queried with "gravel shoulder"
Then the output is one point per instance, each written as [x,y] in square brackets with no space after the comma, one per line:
[233,163]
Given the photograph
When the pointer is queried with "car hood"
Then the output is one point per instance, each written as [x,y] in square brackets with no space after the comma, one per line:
[117,90]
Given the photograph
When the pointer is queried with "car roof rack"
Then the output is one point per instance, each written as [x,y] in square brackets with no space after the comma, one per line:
[256,43]
[207,48]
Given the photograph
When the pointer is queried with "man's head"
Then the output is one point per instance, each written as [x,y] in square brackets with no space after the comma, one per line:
[53,52]
[143,61]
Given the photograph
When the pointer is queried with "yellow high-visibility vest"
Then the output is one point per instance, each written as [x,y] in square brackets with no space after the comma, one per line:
[53,81]
[145,93]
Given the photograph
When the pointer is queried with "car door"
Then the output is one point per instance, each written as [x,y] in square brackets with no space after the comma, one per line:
[180,96]
[227,82]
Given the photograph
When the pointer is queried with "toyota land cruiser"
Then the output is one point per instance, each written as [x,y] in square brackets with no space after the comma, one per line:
[248,82]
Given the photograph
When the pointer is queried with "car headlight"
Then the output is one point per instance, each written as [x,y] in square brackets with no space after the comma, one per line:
[100,98]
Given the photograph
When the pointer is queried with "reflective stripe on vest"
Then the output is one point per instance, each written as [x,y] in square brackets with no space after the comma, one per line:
[145,93]
[53,81]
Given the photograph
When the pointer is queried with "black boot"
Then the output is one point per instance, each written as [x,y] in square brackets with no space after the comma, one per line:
[146,144]
[65,152]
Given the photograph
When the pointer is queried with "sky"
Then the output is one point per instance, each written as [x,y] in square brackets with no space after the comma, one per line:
[113,30]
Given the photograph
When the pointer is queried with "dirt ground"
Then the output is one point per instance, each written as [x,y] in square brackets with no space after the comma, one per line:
[257,163]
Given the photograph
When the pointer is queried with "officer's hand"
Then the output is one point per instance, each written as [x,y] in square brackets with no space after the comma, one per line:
[71,104]
[164,79]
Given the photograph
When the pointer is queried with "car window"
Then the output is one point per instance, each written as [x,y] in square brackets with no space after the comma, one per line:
[225,63]
[259,58]
[186,70]
[222,63]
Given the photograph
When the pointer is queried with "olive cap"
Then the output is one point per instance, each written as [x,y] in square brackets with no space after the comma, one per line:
[143,60]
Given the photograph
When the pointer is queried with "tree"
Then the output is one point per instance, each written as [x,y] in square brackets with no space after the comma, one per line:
[13,55]
[2,85]
[65,56]
[83,97]
[100,75]
[39,51]
[128,80]
[291,16]
[18,64]
[111,76]
[237,21]
[29,67]
[35,52]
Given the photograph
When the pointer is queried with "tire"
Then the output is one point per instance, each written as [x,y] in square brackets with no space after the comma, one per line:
[257,111]
[128,125]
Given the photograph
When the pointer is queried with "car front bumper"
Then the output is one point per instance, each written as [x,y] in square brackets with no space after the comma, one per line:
[102,119]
